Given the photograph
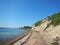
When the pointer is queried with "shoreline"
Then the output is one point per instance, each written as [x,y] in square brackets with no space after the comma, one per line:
[10,42]
[24,39]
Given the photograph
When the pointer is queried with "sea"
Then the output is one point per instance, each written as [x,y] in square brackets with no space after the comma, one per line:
[10,33]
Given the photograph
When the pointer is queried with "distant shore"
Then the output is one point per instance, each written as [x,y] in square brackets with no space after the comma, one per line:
[10,42]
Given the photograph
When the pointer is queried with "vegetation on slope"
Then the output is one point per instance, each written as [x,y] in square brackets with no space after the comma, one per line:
[55,19]
[38,23]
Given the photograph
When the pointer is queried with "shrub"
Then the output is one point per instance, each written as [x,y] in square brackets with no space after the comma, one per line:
[54,43]
[57,39]
[27,27]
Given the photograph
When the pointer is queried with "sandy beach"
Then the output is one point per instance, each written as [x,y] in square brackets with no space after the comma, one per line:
[28,38]
[35,39]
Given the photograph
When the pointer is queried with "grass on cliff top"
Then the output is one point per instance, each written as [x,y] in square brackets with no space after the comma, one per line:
[55,19]
[38,23]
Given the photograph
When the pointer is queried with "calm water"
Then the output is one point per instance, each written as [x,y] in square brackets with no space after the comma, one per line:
[9,33]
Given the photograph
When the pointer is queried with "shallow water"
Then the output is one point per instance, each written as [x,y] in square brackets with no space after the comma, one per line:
[9,33]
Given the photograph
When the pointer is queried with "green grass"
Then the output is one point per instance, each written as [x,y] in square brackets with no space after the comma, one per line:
[38,23]
[55,19]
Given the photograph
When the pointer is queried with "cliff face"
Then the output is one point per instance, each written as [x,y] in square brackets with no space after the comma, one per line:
[49,32]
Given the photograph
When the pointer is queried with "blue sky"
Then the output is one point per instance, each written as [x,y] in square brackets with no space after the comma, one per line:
[17,13]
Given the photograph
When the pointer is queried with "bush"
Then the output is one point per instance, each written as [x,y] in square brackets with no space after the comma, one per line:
[27,27]
[57,39]
[54,43]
